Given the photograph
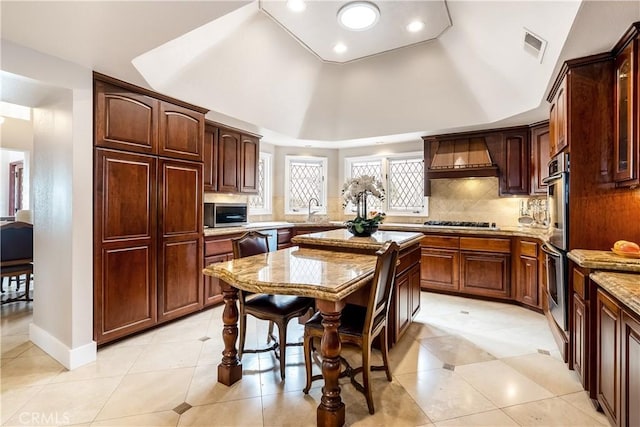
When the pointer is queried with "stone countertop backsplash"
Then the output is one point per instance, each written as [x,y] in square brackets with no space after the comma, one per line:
[624,287]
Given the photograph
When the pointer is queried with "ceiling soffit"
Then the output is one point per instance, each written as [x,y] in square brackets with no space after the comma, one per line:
[317,27]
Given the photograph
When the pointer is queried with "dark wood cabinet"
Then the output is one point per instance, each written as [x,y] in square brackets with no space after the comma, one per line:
[180,230]
[485,274]
[210,157]
[608,356]
[180,132]
[249,157]
[216,249]
[125,119]
[630,372]
[147,208]
[558,138]
[627,118]
[440,263]
[284,237]
[540,140]
[515,177]
[124,244]
[527,291]
[228,161]
[580,339]
[407,292]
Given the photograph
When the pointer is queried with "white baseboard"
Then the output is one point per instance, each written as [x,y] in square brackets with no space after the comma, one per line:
[70,358]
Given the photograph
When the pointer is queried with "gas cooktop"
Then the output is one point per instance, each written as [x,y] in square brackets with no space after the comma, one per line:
[468,225]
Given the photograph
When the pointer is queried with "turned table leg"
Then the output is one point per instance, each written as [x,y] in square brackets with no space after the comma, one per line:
[331,409]
[230,369]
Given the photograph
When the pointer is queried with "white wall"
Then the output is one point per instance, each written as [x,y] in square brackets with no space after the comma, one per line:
[62,205]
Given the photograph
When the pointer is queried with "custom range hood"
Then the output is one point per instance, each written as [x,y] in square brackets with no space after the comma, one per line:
[459,158]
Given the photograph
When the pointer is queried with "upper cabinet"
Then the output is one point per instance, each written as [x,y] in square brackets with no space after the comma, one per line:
[230,160]
[627,111]
[134,119]
[181,132]
[558,119]
[515,176]
[540,155]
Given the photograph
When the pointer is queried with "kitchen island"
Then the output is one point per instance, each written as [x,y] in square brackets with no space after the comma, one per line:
[405,300]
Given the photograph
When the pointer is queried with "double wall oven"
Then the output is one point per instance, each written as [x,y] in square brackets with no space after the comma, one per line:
[558,245]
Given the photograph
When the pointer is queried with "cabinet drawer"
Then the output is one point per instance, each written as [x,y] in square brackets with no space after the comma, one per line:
[579,282]
[284,235]
[446,242]
[407,259]
[529,249]
[485,244]
[219,245]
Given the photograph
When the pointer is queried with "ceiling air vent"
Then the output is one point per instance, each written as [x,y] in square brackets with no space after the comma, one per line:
[534,44]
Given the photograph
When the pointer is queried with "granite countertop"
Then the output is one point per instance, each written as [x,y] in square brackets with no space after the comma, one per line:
[605,260]
[538,233]
[342,237]
[298,271]
[625,287]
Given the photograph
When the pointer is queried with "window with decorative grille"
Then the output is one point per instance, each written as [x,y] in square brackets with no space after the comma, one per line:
[261,202]
[402,178]
[305,180]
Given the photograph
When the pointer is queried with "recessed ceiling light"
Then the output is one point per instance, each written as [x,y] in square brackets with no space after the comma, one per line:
[415,26]
[358,15]
[340,48]
[296,5]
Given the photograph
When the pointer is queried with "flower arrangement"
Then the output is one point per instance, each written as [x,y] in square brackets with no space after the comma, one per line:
[355,190]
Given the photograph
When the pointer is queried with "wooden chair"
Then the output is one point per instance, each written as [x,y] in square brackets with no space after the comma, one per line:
[16,256]
[278,309]
[361,325]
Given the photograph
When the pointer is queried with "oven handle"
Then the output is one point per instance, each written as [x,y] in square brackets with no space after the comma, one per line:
[550,251]
[551,178]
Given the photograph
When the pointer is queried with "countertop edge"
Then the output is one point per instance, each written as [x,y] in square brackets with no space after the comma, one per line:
[625,287]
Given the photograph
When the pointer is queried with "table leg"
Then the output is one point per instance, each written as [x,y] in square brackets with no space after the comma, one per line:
[230,369]
[331,409]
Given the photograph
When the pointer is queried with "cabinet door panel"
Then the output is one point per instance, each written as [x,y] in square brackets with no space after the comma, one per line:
[516,177]
[539,159]
[414,284]
[250,155]
[180,197]
[125,120]
[210,153]
[561,118]
[630,371]
[608,331]
[212,287]
[439,268]
[484,274]
[179,278]
[579,334]
[403,304]
[181,133]
[125,196]
[528,281]
[625,137]
[229,161]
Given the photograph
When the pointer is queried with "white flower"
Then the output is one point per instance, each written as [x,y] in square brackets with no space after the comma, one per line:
[354,188]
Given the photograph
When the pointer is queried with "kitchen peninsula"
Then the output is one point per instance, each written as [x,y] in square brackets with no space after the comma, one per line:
[405,300]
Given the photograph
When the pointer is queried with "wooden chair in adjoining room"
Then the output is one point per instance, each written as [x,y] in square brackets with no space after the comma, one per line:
[16,256]
[278,309]
[361,325]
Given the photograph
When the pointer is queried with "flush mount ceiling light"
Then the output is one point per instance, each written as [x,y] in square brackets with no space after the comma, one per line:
[296,5]
[415,26]
[340,48]
[358,15]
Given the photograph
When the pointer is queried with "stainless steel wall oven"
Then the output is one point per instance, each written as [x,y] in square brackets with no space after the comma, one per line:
[558,245]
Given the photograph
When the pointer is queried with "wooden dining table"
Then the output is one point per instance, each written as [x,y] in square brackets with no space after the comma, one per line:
[331,277]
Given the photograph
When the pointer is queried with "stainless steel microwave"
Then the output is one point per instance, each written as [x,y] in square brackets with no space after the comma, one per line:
[225,214]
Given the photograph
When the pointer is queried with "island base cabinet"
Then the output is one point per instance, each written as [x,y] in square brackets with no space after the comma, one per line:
[407,299]
[630,413]
[608,347]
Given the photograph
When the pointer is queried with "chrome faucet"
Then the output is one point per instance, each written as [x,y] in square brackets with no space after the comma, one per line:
[310,214]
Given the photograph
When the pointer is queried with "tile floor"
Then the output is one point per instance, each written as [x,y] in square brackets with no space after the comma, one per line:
[462,363]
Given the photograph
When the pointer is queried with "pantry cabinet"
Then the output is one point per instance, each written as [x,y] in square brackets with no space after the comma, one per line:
[147,208]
